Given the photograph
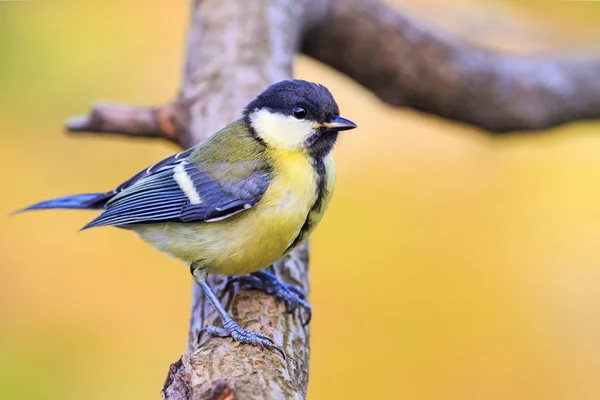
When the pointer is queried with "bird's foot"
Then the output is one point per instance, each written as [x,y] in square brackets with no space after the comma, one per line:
[241,335]
[291,295]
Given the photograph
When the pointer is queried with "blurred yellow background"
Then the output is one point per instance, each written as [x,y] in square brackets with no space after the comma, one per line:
[451,265]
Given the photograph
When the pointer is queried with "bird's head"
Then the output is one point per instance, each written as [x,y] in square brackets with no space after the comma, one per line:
[296,114]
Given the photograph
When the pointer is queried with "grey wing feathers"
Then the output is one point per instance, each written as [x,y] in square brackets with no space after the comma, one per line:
[155,195]
[154,198]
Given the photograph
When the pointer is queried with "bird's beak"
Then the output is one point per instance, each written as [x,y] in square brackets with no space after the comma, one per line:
[338,124]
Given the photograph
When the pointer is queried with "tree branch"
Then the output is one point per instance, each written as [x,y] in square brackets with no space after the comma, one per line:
[407,62]
[238,48]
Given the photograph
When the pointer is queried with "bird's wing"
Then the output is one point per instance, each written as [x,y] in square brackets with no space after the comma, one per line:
[181,190]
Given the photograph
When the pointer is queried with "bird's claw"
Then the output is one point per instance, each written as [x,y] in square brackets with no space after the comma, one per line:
[291,295]
[241,335]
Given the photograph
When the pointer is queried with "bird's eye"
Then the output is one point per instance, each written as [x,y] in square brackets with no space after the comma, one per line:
[299,112]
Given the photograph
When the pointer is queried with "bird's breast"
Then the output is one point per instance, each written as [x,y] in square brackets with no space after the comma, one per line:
[261,236]
[325,183]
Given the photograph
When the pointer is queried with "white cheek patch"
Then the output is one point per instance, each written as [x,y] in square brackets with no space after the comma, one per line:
[185,184]
[281,131]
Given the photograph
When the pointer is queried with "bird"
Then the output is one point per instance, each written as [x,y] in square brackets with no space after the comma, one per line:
[238,201]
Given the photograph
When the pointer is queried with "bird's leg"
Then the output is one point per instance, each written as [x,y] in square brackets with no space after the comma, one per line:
[230,327]
[291,295]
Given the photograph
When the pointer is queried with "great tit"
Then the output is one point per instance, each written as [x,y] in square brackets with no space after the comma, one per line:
[240,200]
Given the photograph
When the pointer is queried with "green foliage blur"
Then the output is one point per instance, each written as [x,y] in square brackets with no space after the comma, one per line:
[451,265]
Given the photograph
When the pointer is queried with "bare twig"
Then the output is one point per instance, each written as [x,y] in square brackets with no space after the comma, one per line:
[156,122]
[407,62]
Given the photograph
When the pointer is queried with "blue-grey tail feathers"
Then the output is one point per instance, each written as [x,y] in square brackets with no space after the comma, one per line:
[87,201]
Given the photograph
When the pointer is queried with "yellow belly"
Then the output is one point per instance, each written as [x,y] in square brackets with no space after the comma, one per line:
[250,240]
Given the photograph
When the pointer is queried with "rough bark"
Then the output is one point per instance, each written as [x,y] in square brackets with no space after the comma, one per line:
[238,48]
[408,62]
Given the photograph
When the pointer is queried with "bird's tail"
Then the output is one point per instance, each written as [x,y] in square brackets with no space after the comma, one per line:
[87,201]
